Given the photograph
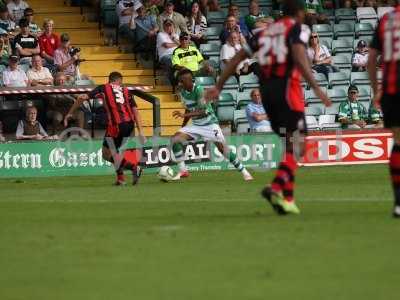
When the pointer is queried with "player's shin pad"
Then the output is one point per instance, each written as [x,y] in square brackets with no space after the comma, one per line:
[235,161]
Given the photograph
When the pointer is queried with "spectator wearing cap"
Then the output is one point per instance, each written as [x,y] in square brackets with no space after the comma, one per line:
[256,115]
[186,56]
[13,76]
[49,42]
[30,128]
[146,32]
[39,75]
[167,42]
[352,114]
[5,21]
[360,58]
[25,43]
[33,27]
[16,9]
[63,60]
[196,24]
[126,15]
[5,47]
[178,20]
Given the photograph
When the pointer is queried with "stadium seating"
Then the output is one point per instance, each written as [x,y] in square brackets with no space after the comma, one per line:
[320,79]
[338,78]
[248,81]
[384,10]
[327,122]
[337,94]
[323,30]
[344,14]
[363,29]
[240,121]
[213,33]
[210,49]
[312,122]
[311,97]
[343,29]
[342,46]
[359,78]
[206,81]
[313,111]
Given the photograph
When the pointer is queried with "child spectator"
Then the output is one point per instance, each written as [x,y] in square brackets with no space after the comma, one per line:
[360,58]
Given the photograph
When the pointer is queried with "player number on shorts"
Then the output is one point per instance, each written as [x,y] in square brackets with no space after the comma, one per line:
[119,96]
[272,46]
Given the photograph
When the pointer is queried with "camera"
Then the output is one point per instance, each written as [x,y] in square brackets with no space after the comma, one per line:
[74,50]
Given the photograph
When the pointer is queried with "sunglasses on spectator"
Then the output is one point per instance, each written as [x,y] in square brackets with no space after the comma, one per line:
[314,36]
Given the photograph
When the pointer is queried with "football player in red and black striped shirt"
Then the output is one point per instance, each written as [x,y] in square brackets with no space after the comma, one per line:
[281,52]
[386,42]
[122,114]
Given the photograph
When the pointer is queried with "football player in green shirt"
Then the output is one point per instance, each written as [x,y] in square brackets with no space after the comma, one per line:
[204,125]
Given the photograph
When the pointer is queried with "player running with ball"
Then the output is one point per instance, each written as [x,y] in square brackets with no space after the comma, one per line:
[204,125]
[281,52]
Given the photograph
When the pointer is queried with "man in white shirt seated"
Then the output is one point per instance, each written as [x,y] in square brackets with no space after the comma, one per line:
[39,75]
[167,42]
[256,115]
[360,58]
[126,15]
[13,76]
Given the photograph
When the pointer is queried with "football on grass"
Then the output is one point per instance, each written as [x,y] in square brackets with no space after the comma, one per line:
[166,174]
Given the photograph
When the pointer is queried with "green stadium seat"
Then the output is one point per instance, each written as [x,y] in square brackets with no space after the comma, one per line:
[342,61]
[216,17]
[231,83]
[327,122]
[84,82]
[226,97]
[323,30]
[240,121]
[210,49]
[249,81]
[206,81]
[242,99]
[24,67]
[366,13]
[345,14]
[326,41]
[310,96]
[342,46]
[357,78]
[332,110]
[338,78]
[364,29]
[341,30]
[320,79]
[312,122]
[213,33]
[313,111]
[225,111]
[337,94]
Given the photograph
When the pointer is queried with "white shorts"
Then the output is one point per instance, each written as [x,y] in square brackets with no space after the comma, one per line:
[211,133]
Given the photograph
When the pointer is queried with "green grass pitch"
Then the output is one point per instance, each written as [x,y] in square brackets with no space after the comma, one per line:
[208,237]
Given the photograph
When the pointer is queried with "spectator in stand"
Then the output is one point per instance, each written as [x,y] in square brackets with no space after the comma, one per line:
[178,20]
[347,4]
[167,42]
[153,7]
[16,9]
[39,75]
[5,47]
[126,16]
[197,25]
[146,32]
[31,129]
[360,58]
[33,27]
[315,13]
[228,51]
[5,21]
[189,57]
[375,117]
[65,62]
[48,43]
[60,104]
[25,43]
[256,115]
[233,10]
[320,56]
[255,15]
[352,114]
[13,76]
[230,26]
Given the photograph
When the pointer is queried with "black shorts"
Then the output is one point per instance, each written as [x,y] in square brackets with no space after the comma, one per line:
[124,132]
[391,110]
[283,119]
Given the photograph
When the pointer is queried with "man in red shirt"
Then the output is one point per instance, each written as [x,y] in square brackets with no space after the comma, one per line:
[281,51]
[386,43]
[122,114]
[48,42]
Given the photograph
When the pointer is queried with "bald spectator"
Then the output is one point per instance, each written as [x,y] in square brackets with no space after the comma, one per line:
[30,128]
[60,104]
[39,75]
[16,9]
[178,20]
[25,44]
[256,114]
[13,76]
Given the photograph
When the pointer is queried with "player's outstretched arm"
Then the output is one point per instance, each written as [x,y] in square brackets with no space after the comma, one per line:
[79,100]
[213,93]
[371,68]
[301,60]
[139,124]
